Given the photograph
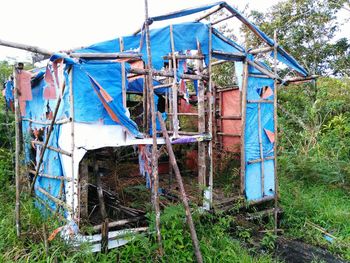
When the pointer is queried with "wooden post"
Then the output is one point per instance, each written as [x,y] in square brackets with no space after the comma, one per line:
[262,171]
[210,122]
[275,131]
[121,45]
[201,126]
[17,153]
[244,112]
[155,193]
[101,201]
[145,105]
[182,191]
[174,88]
[75,184]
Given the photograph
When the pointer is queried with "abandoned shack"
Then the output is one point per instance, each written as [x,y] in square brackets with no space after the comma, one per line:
[94,144]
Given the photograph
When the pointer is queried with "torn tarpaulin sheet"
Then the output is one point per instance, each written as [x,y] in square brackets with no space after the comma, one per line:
[115,111]
[145,163]
[23,82]
[23,79]
[50,89]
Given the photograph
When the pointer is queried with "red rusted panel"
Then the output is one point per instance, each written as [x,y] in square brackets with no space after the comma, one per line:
[231,103]
[231,107]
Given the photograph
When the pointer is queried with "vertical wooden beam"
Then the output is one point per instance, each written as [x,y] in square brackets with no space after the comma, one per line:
[174,88]
[201,125]
[182,191]
[275,118]
[244,112]
[145,105]
[101,201]
[75,181]
[155,193]
[121,45]
[84,186]
[262,171]
[17,153]
[210,121]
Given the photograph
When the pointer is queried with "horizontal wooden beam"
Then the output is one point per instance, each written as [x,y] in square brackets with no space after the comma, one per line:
[209,13]
[219,62]
[256,51]
[227,89]
[263,70]
[234,55]
[25,47]
[53,148]
[301,79]
[106,55]
[63,121]
[120,222]
[185,114]
[222,19]
[57,177]
[52,198]
[231,117]
[170,74]
[181,56]
[260,160]
[229,134]
[167,85]
[260,101]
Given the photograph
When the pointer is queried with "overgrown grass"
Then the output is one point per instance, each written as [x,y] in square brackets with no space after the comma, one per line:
[314,163]
[216,243]
[324,205]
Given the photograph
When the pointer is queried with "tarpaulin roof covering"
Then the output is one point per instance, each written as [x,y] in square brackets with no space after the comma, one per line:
[185,37]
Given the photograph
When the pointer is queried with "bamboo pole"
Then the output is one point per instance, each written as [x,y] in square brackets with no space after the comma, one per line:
[260,50]
[29,48]
[234,55]
[52,198]
[63,121]
[57,177]
[244,112]
[182,191]
[154,133]
[218,8]
[182,56]
[74,180]
[121,45]
[210,122]
[53,148]
[106,55]
[276,133]
[201,127]
[264,70]
[222,19]
[262,171]
[174,89]
[119,223]
[17,156]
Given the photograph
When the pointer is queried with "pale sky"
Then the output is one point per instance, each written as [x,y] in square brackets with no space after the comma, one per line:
[64,24]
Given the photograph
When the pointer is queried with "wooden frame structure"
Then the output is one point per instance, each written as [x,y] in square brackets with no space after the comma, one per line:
[206,114]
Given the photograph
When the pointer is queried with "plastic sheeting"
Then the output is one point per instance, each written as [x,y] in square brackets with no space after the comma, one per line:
[185,38]
[89,108]
[253,183]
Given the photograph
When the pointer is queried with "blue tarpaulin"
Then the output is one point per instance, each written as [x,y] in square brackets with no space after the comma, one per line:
[253,174]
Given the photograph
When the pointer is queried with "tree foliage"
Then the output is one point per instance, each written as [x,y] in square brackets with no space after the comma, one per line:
[306,29]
